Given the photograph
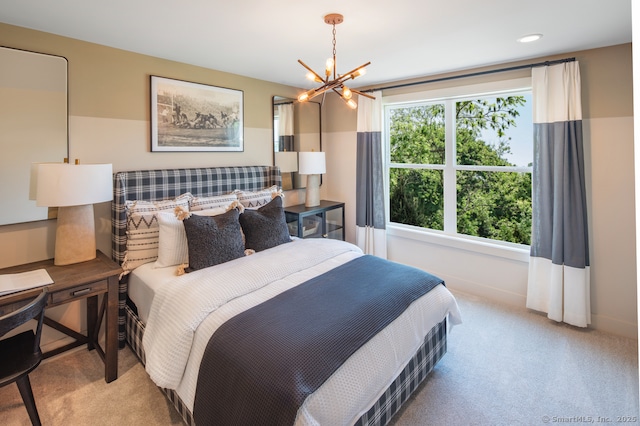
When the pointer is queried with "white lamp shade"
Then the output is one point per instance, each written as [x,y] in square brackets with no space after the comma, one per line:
[311,163]
[287,161]
[33,181]
[62,184]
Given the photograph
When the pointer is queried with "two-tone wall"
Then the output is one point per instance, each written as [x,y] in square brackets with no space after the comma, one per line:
[502,275]
[109,122]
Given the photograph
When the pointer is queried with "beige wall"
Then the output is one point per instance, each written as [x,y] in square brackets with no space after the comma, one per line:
[109,122]
[608,135]
[109,107]
[109,104]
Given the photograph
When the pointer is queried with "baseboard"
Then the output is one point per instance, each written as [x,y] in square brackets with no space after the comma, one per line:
[483,291]
[58,343]
[598,322]
[55,339]
[614,326]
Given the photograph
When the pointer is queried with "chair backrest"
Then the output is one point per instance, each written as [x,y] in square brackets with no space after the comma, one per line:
[32,310]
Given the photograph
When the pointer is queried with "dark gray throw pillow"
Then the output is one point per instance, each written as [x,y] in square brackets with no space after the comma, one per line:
[265,227]
[213,239]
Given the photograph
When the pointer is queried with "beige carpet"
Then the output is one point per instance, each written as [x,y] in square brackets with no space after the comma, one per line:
[70,390]
[504,366]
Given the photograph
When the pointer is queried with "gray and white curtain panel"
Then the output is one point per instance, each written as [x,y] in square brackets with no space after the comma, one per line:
[370,210]
[285,127]
[559,282]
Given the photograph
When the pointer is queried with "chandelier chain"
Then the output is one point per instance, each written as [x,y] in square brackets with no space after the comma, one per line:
[334,51]
[334,40]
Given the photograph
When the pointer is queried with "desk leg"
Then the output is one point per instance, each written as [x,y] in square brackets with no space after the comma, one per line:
[92,320]
[111,331]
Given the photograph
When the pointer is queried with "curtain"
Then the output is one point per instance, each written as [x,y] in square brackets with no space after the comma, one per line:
[285,127]
[370,209]
[559,264]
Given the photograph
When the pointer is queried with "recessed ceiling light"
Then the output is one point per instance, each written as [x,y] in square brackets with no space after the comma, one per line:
[529,38]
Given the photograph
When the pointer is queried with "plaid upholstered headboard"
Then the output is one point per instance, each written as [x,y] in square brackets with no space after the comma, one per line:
[153,185]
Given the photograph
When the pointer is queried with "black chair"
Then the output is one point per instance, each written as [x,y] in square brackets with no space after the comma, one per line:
[21,354]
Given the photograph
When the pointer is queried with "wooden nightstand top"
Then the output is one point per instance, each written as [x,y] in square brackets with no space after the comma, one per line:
[66,276]
[324,205]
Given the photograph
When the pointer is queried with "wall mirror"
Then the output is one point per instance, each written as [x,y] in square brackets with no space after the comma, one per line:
[33,126]
[296,127]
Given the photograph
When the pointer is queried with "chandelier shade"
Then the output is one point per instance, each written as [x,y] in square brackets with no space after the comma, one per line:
[332,80]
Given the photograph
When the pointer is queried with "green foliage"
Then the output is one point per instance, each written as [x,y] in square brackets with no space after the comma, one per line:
[418,135]
[416,197]
[495,205]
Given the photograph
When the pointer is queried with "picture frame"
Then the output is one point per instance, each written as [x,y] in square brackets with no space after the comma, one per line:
[187,116]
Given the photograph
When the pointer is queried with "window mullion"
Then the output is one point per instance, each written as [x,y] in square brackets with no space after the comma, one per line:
[449,169]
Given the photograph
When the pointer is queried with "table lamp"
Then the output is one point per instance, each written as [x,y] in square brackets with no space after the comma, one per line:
[313,165]
[287,161]
[74,188]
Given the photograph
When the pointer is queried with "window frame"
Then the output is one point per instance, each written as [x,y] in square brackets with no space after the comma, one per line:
[449,96]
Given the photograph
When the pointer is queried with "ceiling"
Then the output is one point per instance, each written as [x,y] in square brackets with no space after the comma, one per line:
[264,39]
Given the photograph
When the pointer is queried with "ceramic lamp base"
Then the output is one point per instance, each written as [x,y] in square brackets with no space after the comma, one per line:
[287,181]
[312,197]
[75,235]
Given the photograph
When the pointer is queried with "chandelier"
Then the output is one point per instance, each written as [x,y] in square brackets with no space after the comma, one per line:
[332,80]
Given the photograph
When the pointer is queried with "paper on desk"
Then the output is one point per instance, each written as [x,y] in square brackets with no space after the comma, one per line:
[10,283]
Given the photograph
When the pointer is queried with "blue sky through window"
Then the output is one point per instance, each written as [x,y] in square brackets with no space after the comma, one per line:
[521,135]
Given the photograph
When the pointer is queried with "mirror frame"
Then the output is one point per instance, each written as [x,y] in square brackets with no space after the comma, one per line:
[43,137]
[296,178]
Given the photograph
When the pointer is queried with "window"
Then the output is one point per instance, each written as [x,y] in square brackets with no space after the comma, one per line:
[462,165]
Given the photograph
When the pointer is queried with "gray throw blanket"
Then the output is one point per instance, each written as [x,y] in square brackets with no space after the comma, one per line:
[260,365]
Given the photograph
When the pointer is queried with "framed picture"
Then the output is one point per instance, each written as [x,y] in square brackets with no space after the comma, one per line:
[189,116]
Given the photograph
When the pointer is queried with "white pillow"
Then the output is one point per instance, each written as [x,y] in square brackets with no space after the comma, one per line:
[143,229]
[206,203]
[213,212]
[172,248]
[256,199]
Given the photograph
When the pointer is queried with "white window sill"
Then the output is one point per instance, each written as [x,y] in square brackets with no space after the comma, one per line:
[511,251]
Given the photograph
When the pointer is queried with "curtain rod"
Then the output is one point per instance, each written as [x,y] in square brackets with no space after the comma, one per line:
[474,74]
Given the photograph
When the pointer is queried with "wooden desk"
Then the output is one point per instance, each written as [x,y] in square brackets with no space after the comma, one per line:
[85,280]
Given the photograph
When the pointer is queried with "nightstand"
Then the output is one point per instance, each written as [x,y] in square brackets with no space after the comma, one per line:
[323,221]
[84,280]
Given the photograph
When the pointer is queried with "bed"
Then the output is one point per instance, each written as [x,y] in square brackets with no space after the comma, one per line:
[152,300]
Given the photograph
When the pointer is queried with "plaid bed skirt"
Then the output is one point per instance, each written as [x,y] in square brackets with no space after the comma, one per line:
[433,348]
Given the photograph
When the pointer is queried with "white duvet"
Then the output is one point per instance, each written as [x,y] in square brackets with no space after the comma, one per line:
[188,309]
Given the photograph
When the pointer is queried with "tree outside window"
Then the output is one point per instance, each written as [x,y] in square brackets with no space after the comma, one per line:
[473,179]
